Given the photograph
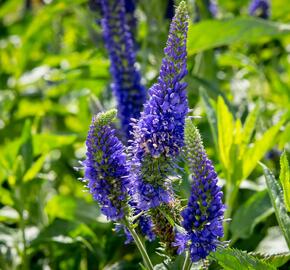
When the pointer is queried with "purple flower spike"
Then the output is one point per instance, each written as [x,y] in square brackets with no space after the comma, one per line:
[106,168]
[127,87]
[260,8]
[203,216]
[159,133]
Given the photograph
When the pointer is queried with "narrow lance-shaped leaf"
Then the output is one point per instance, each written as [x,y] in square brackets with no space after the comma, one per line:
[285,179]
[225,132]
[249,128]
[276,195]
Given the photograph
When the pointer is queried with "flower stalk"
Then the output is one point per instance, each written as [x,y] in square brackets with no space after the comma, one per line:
[140,246]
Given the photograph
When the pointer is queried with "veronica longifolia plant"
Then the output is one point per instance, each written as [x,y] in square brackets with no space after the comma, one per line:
[137,189]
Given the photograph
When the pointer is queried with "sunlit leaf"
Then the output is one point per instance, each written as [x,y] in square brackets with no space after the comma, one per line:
[43,143]
[34,169]
[229,31]
[285,179]
[225,123]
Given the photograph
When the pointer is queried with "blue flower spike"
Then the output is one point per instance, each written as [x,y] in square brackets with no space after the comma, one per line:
[127,88]
[159,133]
[106,169]
[204,213]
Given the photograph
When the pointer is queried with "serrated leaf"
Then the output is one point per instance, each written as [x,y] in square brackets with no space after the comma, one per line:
[230,258]
[276,260]
[229,31]
[285,179]
[261,146]
[257,208]
[276,195]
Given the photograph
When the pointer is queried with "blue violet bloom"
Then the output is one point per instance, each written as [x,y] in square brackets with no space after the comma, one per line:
[106,169]
[127,88]
[159,133]
[204,214]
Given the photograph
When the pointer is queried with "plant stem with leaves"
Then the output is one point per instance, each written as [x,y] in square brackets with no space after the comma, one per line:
[140,246]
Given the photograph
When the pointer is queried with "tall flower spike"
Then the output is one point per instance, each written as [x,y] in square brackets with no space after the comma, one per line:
[260,8]
[128,90]
[106,168]
[203,216]
[159,133]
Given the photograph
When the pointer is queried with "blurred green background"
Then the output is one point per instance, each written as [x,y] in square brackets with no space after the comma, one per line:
[54,75]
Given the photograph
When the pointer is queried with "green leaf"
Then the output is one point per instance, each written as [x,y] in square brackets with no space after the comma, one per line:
[276,195]
[253,154]
[256,209]
[44,142]
[34,169]
[225,124]
[276,260]
[230,258]
[64,232]
[70,208]
[284,137]
[229,31]
[249,127]
[285,179]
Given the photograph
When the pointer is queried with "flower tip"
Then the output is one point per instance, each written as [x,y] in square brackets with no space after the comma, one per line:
[105,118]
[181,9]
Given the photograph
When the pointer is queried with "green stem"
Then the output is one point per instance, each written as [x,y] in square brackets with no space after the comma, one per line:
[24,254]
[140,246]
[187,262]
[231,196]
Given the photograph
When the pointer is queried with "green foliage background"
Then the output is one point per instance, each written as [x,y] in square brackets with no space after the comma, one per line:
[54,75]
